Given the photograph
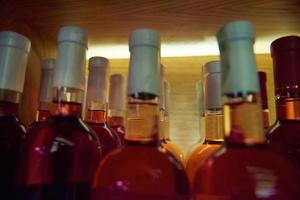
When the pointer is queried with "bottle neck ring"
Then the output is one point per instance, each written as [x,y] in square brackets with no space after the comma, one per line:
[288,108]
[243,123]
[142,122]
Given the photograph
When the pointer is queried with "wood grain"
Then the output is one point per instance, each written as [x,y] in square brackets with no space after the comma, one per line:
[110,22]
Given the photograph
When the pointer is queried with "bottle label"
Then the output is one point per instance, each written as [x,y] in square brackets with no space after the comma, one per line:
[244,123]
[214,127]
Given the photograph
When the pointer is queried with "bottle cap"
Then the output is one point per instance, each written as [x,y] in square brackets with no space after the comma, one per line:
[97,81]
[239,75]
[71,57]
[212,85]
[262,76]
[144,68]
[236,30]
[15,40]
[48,63]
[99,62]
[117,92]
[285,53]
[73,34]
[46,82]
[144,37]
[14,49]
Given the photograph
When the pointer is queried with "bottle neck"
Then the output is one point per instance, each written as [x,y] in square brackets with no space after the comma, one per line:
[66,109]
[96,112]
[164,125]
[116,117]
[243,120]
[288,108]
[8,108]
[142,123]
[9,102]
[43,111]
[66,102]
[96,116]
[116,121]
[266,119]
[214,128]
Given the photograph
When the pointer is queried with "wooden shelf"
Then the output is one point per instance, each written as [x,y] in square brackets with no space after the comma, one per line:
[110,22]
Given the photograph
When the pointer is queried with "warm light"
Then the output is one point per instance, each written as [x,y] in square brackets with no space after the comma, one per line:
[206,47]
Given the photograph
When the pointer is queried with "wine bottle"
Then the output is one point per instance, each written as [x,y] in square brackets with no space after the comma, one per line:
[14,50]
[117,104]
[141,170]
[214,129]
[243,168]
[96,101]
[46,89]
[283,136]
[59,157]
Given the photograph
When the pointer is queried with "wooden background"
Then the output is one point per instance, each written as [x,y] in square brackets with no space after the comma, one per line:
[108,22]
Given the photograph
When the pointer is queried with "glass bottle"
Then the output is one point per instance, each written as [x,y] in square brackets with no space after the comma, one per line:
[147,171]
[59,157]
[243,168]
[164,120]
[117,104]
[214,130]
[284,135]
[46,90]
[96,101]
[201,118]
[262,77]
[201,111]
[14,50]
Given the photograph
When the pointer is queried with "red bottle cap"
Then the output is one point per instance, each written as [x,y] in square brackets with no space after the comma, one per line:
[285,53]
[262,76]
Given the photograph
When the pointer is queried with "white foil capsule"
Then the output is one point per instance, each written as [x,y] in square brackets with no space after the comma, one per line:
[70,63]
[14,50]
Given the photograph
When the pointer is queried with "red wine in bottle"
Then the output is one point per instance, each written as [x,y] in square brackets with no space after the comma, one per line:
[58,159]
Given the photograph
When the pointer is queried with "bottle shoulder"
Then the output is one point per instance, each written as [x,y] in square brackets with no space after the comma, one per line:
[12,124]
[120,130]
[105,133]
[101,127]
[173,149]
[251,166]
[287,129]
[143,153]
[61,141]
[200,152]
[68,129]
[141,158]
[146,169]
